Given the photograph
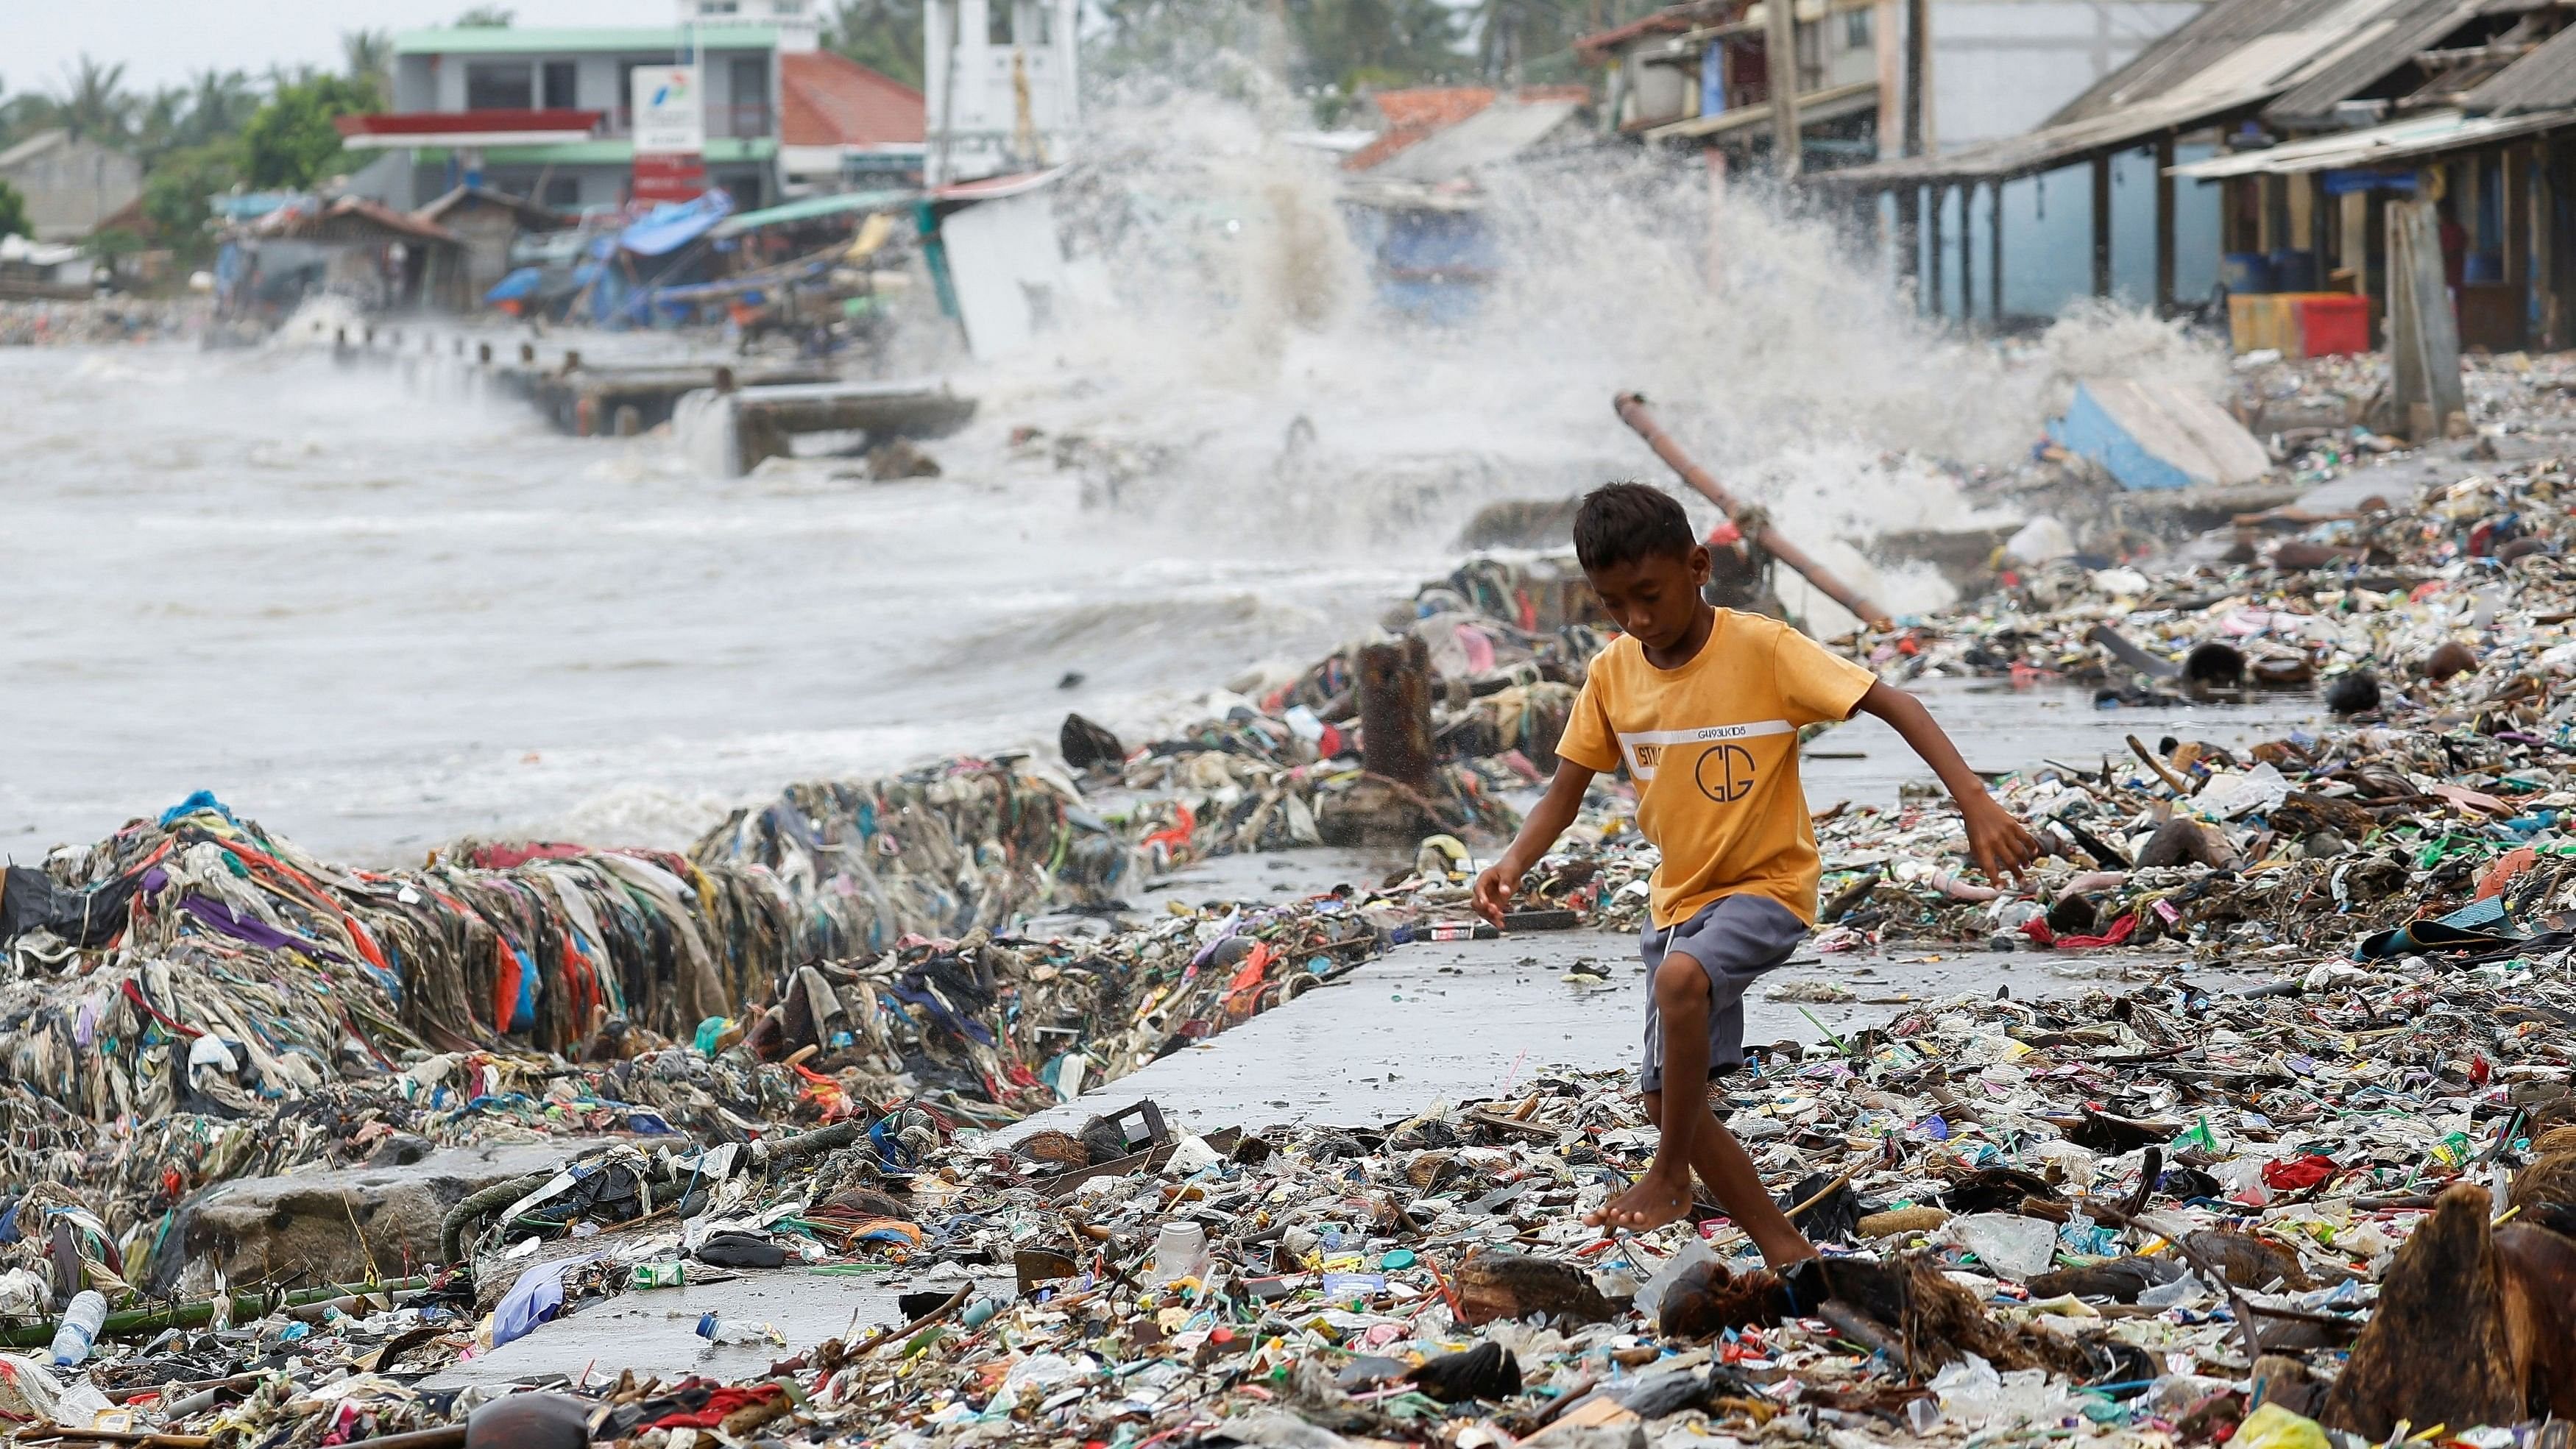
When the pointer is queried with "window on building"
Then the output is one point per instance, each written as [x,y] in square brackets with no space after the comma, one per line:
[1856,31]
[997,22]
[1045,12]
[499,86]
[750,78]
[563,193]
[561,91]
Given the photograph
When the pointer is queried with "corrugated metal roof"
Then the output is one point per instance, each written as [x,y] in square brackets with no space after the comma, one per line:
[1497,133]
[2196,45]
[2415,136]
[533,40]
[2385,45]
[2544,80]
[2236,56]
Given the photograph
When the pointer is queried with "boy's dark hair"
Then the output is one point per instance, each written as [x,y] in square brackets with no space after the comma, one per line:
[1626,522]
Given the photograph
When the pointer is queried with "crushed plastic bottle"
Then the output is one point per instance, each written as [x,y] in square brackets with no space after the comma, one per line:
[81,1323]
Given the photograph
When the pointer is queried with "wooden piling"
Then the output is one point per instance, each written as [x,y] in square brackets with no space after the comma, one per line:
[1395,711]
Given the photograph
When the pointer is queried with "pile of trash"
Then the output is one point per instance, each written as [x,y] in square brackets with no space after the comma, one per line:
[2440,791]
[2262,1218]
[92,321]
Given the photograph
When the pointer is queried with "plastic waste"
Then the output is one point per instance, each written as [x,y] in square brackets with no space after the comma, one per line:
[715,1329]
[2017,1247]
[1180,1252]
[2273,1427]
[79,1329]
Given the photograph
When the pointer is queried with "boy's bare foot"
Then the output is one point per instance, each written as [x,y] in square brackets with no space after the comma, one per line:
[1657,1199]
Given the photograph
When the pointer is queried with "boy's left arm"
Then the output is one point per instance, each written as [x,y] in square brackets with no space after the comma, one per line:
[1999,844]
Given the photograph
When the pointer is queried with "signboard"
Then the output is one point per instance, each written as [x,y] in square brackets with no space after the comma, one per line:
[669,178]
[670,111]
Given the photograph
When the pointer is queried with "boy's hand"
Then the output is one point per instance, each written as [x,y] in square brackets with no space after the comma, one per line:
[1999,844]
[1495,889]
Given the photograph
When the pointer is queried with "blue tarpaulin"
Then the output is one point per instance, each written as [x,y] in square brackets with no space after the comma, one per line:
[520,283]
[675,224]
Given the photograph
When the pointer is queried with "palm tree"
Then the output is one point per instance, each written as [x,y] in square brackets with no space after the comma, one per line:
[368,57]
[219,103]
[95,104]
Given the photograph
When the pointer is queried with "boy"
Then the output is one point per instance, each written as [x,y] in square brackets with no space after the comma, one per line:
[1703,706]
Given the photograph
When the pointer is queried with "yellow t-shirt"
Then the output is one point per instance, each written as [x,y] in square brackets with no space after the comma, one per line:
[1713,749]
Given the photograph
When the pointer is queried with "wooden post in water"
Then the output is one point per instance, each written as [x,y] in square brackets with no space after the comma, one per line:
[483,353]
[2423,336]
[527,354]
[1395,710]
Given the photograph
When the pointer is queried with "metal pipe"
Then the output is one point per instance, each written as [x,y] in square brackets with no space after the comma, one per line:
[1632,411]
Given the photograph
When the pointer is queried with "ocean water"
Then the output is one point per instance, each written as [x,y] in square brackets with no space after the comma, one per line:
[379,609]
[378,615]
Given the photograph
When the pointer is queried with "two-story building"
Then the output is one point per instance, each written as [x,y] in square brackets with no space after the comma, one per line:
[548,114]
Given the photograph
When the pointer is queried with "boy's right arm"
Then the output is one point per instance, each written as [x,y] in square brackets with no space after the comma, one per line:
[1564,800]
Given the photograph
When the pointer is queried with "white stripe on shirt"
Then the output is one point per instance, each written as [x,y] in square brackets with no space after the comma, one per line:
[1712,734]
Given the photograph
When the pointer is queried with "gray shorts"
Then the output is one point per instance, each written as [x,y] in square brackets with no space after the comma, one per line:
[1734,939]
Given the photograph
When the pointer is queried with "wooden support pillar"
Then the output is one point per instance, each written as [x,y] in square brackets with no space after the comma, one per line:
[1967,254]
[1909,237]
[2313,185]
[1714,158]
[2164,225]
[2549,270]
[1780,66]
[2102,226]
[1919,140]
[2423,335]
[2353,222]
[2517,217]
[1932,250]
[1887,32]
[1995,251]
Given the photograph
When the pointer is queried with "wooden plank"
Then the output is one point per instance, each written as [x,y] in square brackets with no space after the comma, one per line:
[2164,224]
[1780,63]
[2423,335]
[2102,225]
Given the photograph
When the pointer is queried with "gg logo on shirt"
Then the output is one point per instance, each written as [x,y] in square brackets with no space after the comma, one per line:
[1725,773]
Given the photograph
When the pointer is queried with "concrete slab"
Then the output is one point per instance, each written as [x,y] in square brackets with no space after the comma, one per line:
[1451,1021]
[655,1331]
[309,1224]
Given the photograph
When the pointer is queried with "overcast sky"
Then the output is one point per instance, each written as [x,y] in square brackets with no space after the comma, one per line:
[161,41]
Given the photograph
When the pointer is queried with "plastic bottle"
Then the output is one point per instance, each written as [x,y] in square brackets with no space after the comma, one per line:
[1180,1252]
[80,1326]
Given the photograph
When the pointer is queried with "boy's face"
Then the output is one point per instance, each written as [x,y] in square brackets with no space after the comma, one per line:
[1656,598]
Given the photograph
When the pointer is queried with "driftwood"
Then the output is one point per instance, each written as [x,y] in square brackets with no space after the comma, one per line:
[1509,1285]
[2437,1350]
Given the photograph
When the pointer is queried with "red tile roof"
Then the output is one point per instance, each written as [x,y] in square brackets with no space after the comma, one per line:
[1424,111]
[832,100]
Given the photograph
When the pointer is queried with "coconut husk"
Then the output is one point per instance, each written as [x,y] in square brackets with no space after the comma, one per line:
[2538,1269]
[2437,1350]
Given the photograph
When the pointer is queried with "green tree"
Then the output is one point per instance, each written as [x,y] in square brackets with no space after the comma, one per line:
[94,103]
[290,142]
[487,17]
[368,56]
[883,35]
[177,192]
[1525,40]
[1347,42]
[13,213]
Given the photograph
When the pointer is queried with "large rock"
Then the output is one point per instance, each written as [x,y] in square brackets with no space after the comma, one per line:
[332,1227]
